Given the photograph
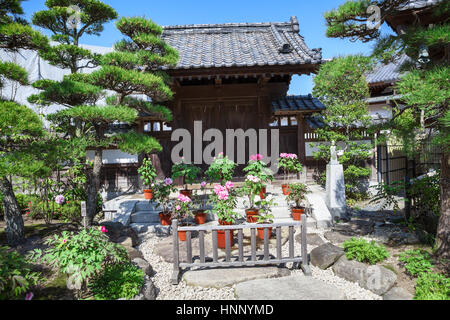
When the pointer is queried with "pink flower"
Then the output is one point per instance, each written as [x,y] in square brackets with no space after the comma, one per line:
[256,157]
[168,181]
[59,199]
[103,229]
[184,198]
[218,189]
[178,207]
[29,296]
[221,154]
[292,156]
[223,195]
[203,184]
[229,185]
[253,178]
[65,240]
[27,212]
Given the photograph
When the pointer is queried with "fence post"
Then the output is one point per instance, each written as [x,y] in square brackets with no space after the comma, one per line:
[305,260]
[176,253]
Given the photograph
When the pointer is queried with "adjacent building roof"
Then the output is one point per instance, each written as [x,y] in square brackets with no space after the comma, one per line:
[417,4]
[297,103]
[387,72]
[240,45]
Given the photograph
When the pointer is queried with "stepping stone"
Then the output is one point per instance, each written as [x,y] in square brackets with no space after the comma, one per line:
[325,255]
[295,287]
[228,276]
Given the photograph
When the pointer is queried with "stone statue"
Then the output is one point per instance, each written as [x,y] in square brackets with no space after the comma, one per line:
[333,153]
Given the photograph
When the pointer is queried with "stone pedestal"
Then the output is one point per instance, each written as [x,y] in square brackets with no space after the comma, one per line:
[335,190]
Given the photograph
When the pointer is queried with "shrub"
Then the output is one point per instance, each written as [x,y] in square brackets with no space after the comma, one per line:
[221,169]
[188,172]
[364,251]
[117,281]
[432,286]
[16,276]
[82,255]
[70,211]
[297,193]
[147,172]
[417,262]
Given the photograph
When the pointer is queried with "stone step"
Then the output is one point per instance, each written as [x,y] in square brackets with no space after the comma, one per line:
[155,228]
[146,206]
[145,217]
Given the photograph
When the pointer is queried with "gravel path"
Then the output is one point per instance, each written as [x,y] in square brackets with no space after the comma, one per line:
[167,291]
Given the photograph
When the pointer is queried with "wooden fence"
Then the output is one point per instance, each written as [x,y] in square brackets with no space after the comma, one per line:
[240,260]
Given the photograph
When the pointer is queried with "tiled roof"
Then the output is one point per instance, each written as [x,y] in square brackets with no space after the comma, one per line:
[387,72]
[297,103]
[314,122]
[240,45]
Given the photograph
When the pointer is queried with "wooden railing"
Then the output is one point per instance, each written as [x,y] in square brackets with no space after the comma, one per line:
[240,260]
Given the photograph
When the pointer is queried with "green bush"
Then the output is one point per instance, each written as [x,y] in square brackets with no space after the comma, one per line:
[16,277]
[364,251]
[82,255]
[417,262]
[432,286]
[117,281]
[70,211]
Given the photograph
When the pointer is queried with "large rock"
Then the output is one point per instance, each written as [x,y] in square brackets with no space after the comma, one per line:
[224,277]
[397,293]
[296,287]
[379,279]
[119,233]
[149,290]
[134,253]
[325,255]
[350,270]
[144,265]
[311,239]
[336,237]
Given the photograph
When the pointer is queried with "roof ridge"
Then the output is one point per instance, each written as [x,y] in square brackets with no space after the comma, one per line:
[228,25]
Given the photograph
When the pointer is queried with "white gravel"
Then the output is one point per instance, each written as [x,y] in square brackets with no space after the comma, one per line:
[182,291]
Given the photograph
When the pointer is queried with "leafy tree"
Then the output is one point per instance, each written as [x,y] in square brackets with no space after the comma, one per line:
[342,87]
[425,89]
[19,126]
[134,68]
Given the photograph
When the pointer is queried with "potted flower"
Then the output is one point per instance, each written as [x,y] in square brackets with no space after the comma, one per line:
[265,216]
[200,214]
[221,169]
[290,164]
[162,191]
[297,194]
[256,167]
[148,175]
[224,203]
[250,189]
[188,173]
[182,212]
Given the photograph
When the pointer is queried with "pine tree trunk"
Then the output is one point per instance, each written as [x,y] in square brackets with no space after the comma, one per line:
[13,216]
[93,187]
[443,230]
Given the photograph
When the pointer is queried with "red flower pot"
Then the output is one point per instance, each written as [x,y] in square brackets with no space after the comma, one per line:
[148,194]
[200,217]
[297,213]
[286,189]
[187,193]
[261,233]
[165,218]
[221,235]
[262,193]
[182,235]
[252,215]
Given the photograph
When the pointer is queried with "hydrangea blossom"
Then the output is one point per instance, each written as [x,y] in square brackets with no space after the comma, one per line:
[59,199]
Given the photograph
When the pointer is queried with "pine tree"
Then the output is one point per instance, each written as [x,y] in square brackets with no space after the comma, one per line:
[425,88]
[341,85]
[19,125]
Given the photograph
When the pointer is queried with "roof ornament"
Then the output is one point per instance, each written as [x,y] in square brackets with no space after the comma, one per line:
[294,23]
[283,44]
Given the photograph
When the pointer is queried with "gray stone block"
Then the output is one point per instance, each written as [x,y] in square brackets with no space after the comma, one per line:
[325,255]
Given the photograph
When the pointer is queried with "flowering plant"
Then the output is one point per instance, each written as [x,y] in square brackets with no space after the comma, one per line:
[265,209]
[59,199]
[162,191]
[187,171]
[298,193]
[256,167]
[250,188]
[147,172]
[221,169]
[289,163]
[182,208]
[224,202]
[199,199]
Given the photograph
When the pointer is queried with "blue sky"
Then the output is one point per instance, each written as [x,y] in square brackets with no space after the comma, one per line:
[170,12]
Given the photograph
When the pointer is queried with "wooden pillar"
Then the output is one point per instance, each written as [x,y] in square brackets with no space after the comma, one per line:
[301,152]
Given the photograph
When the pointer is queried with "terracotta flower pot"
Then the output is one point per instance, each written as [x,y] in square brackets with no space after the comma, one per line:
[200,217]
[286,189]
[221,235]
[182,235]
[252,215]
[261,233]
[297,213]
[165,218]
[148,194]
[262,193]
[187,193]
